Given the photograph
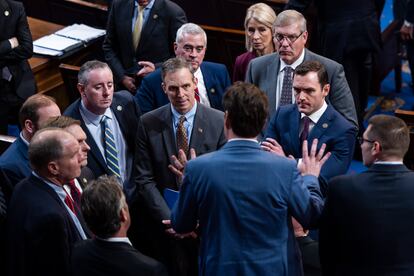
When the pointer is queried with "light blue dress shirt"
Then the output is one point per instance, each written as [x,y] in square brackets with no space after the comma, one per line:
[147,11]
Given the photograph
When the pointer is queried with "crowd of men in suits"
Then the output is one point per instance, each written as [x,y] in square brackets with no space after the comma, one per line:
[83,193]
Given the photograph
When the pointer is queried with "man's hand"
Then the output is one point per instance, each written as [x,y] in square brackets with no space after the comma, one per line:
[298,229]
[273,146]
[406,32]
[14,42]
[171,232]
[313,162]
[147,67]
[177,165]
[129,84]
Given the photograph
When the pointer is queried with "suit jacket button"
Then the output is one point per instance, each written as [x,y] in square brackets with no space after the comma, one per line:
[212,90]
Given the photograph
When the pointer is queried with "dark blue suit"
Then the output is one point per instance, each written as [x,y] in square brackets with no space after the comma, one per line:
[367,226]
[14,163]
[332,129]
[243,198]
[127,114]
[150,95]
[40,231]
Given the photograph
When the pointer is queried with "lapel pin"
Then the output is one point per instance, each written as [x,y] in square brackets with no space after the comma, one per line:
[212,90]
[155,16]
[84,180]
[325,125]
[200,130]
[6,13]
[119,108]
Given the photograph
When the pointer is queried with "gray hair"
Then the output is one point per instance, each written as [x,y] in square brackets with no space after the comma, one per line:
[289,17]
[192,29]
[173,64]
[87,67]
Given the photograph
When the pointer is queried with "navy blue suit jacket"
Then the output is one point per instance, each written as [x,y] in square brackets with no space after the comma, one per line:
[40,231]
[150,95]
[367,226]
[127,114]
[243,198]
[332,129]
[14,163]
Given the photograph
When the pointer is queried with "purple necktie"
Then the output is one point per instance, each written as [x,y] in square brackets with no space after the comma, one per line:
[305,132]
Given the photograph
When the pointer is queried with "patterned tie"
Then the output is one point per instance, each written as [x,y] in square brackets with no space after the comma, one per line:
[111,153]
[74,192]
[305,132]
[181,135]
[286,96]
[69,202]
[136,34]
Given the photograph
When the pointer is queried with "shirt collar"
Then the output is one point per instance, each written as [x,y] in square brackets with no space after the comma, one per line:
[118,239]
[243,139]
[293,65]
[189,115]
[24,139]
[315,116]
[92,117]
[149,6]
[389,162]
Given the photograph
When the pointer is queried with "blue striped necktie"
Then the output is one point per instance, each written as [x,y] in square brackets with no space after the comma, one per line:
[111,153]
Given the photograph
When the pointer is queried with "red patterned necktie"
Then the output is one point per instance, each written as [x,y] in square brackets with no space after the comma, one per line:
[74,192]
[196,94]
[69,202]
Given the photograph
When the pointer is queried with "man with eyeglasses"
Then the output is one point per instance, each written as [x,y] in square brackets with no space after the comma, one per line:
[273,73]
[212,78]
[367,226]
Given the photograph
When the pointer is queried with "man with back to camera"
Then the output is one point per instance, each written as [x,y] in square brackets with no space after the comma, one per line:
[273,73]
[212,78]
[110,252]
[242,197]
[366,226]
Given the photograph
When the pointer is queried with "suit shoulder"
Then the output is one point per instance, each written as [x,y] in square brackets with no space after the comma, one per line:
[153,76]
[213,65]
[341,121]
[123,95]
[212,113]
[264,60]
[156,113]
[72,108]
[173,7]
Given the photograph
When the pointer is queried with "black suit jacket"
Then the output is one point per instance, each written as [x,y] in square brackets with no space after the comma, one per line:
[157,36]
[40,231]
[13,23]
[103,258]
[367,224]
[127,114]
[156,143]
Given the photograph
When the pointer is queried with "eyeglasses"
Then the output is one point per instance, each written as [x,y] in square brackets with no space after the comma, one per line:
[289,38]
[190,49]
[361,140]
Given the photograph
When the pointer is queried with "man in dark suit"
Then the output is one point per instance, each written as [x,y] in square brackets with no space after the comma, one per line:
[242,197]
[212,78]
[406,32]
[270,71]
[43,220]
[16,78]
[128,43]
[184,124]
[14,162]
[74,127]
[110,252]
[312,118]
[366,226]
[100,110]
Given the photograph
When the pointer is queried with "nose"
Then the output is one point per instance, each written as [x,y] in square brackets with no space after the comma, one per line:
[86,147]
[256,34]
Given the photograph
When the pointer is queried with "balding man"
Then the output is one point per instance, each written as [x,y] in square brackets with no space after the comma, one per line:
[43,221]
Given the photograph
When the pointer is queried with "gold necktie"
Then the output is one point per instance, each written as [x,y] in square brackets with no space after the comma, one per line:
[181,136]
[136,35]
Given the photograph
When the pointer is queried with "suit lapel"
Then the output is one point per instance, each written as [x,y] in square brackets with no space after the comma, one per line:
[294,122]
[323,124]
[208,82]
[151,22]
[197,134]
[168,133]
[272,74]
[94,151]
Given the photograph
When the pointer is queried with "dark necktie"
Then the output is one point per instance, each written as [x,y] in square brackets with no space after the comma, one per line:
[74,192]
[181,135]
[286,95]
[111,153]
[305,132]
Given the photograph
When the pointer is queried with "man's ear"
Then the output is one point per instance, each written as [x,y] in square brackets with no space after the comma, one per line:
[123,214]
[164,88]
[29,126]
[81,89]
[53,168]
[175,47]
[325,89]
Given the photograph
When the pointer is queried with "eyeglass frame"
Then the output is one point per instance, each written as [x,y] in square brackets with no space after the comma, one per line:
[290,41]
[361,140]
